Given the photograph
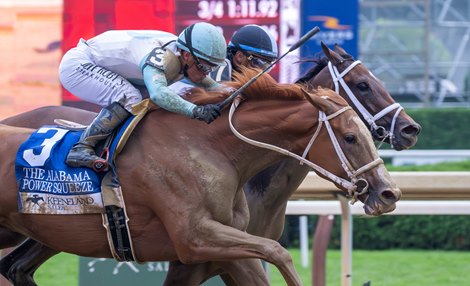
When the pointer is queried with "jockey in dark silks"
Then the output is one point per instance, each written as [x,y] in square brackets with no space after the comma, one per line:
[251,46]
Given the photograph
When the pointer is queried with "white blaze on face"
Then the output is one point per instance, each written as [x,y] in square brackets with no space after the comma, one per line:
[363,129]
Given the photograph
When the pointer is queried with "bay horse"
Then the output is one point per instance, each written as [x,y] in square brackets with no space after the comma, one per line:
[187,183]
[278,181]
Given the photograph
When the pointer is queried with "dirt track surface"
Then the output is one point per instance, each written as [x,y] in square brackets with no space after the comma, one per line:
[29,58]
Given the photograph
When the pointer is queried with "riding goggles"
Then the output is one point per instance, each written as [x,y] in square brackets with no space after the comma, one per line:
[258,62]
[203,67]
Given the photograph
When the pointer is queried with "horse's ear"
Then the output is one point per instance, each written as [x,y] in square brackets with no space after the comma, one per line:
[332,56]
[317,100]
[340,50]
[325,49]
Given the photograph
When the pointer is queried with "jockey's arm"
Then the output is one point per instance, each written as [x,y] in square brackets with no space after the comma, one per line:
[210,84]
[157,86]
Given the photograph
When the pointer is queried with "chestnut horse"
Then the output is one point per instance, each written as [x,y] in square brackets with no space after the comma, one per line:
[185,181]
[266,211]
[268,192]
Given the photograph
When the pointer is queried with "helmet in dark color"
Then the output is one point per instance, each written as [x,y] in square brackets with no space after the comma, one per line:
[255,40]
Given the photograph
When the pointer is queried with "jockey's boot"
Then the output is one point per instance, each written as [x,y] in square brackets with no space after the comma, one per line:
[82,154]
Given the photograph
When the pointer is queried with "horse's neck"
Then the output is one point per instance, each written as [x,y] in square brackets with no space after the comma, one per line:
[322,79]
[286,124]
[276,184]
[282,124]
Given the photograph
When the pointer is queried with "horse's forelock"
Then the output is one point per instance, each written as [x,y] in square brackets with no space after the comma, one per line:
[331,95]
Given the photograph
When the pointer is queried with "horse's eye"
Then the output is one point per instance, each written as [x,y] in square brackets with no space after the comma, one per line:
[363,86]
[350,139]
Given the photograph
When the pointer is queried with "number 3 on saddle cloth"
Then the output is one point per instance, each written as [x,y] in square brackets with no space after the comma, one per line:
[47,185]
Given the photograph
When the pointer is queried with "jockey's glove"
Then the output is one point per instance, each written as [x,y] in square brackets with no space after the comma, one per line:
[206,113]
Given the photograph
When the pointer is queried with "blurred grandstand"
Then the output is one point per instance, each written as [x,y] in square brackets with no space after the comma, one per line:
[419,48]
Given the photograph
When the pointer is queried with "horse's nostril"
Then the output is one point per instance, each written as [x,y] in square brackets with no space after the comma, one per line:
[411,130]
[418,129]
[389,195]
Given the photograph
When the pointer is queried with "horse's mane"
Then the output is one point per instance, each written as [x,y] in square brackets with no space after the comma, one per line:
[263,88]
[319,64]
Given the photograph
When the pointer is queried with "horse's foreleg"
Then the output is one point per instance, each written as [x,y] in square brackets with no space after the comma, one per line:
[187,274]
[8,239]
[243,272]
[19,265]
[233,273]
[213,241]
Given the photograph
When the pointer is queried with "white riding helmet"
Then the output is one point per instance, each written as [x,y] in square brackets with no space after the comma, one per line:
[204,41]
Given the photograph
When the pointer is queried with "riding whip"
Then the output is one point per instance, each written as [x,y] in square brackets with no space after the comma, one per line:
[300,42]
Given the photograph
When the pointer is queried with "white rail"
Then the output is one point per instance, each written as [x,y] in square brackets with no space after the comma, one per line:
[433,193]
[421,157]
[403,208]
[414,186]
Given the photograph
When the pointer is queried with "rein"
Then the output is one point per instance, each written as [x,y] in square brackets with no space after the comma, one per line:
[371,119]
[351,185]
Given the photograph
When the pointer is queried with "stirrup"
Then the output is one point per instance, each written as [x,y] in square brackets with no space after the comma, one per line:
[80,158]
[102,165]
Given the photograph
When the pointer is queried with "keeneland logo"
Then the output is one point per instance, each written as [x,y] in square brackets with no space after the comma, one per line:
[35,199]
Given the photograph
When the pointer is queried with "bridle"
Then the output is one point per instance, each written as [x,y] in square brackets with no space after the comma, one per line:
[379,131]
[356,186]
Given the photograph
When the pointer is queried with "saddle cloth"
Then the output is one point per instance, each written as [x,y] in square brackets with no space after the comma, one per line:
[47,185]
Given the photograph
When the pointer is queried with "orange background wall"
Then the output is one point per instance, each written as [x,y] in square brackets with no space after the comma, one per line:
[33,38]
[29,56]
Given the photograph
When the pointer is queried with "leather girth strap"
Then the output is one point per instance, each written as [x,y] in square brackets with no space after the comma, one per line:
[115,218]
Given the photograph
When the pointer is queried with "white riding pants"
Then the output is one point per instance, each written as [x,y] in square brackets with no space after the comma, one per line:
[82,77]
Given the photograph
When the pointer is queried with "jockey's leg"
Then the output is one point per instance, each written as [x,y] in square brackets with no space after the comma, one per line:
[82,153]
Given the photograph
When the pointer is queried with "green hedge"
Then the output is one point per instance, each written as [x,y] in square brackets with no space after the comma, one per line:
[443,232]
[442,128]
[412,231]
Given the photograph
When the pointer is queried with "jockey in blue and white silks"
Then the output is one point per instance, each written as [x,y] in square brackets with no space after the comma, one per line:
[106,69]
[250,46]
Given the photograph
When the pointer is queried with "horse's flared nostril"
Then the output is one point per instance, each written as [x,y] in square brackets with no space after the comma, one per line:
[390,195]
[411,130]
